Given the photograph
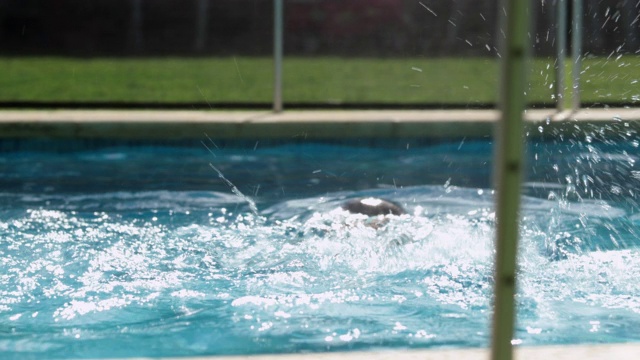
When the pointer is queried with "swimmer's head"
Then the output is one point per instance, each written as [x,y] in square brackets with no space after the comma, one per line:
[372,207]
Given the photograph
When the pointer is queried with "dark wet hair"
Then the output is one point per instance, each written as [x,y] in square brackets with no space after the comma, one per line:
[372,207]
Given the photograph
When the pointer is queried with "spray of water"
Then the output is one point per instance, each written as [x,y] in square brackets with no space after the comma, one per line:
[234,189]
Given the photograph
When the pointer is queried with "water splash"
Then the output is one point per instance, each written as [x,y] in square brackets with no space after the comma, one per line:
[234,189]
[428,9]
[152,271]
[252,205]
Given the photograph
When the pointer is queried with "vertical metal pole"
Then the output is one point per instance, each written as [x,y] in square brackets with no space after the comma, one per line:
[202,22]
[561,48]
[277,55]
[631,34]
[576,51]
[508,175]
[136,26]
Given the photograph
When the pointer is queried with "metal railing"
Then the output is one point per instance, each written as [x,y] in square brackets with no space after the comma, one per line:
[561,48]
[508,171]
[278,45]
[560,56]
[576,52]
[561,51]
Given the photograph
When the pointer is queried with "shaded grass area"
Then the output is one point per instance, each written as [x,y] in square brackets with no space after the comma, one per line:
[445,81]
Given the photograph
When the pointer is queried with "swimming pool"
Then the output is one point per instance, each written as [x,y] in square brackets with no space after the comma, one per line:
[122,249]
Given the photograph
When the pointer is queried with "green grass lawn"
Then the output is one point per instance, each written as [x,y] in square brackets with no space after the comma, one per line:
[306,80]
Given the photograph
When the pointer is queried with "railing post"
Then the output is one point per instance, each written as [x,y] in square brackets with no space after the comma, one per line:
[561,48]
[576,52]
[508,175]
[202,22]
[278,34]
[135,27]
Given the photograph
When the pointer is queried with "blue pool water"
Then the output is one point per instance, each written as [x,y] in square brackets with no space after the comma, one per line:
[114,249]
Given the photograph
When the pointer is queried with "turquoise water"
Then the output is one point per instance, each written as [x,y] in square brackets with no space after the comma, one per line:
[135,249]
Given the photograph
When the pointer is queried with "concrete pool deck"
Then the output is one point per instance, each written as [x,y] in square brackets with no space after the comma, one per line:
[318,124]
[568,352]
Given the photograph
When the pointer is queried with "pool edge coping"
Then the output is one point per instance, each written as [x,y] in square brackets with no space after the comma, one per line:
[618,351]
[183,124]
